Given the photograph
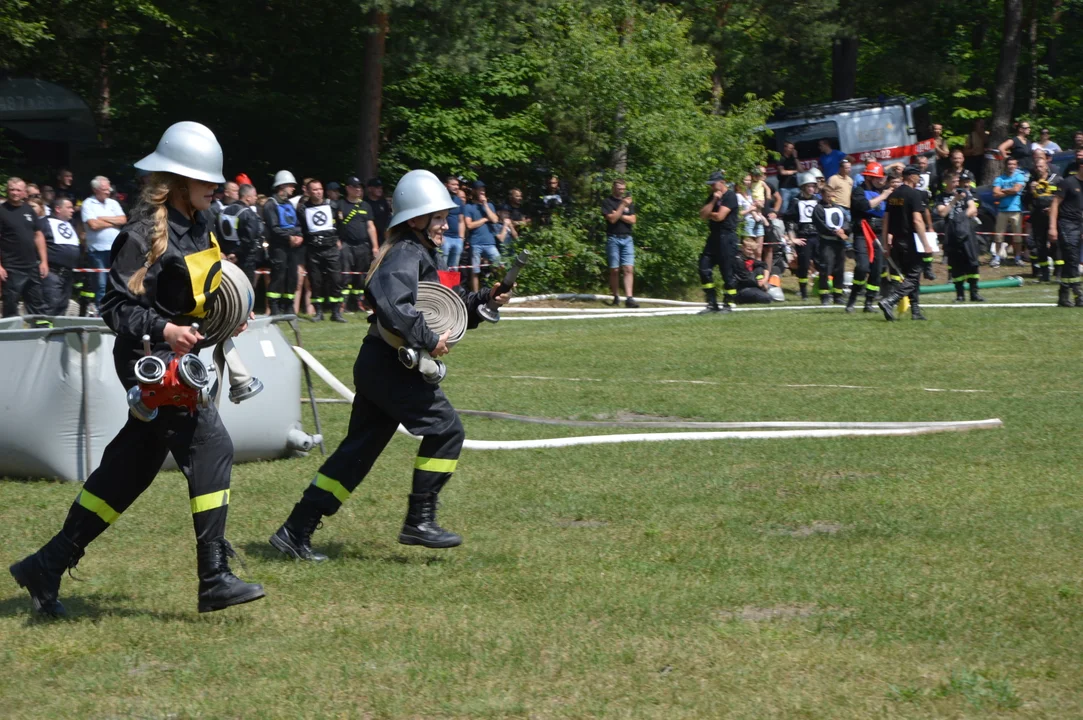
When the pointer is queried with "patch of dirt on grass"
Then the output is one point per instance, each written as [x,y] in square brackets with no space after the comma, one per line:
[816,528]
[581,523]
[751,613]
[626,416]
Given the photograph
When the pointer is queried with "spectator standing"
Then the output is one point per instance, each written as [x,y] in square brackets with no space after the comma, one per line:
[517,216]
[829,158]
[788,167]
[721,213]
[1045,144]
[228,196]
[381,207]
[103,218]
[334,192]
[1065,227]
[357,230]
[554,199]
[842,185]
[248,228]
[956,164]
[322,252]
[62,248]
[23,258]
[940,149]
[1017,147]
[974,150]
[64,188]
[452,249]
[1008,194]
[620,215]
[283,244]
[483,224]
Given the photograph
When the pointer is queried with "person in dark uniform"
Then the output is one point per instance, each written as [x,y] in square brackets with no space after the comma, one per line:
[283,244]
[959,208]
[1038,198]
[248,229]
[316,216]
[165,273]
[904,218]
[867,203]
[750,276]
[1065,227]
[721,213]
[830,225]
[800,229]
[24,261]
[381,207]
[62,247]
[357,230]
[389,393]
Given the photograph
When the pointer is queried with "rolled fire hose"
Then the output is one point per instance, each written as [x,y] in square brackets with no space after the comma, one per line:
[231,309]
[444,311]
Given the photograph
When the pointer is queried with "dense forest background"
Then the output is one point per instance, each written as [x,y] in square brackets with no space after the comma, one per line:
[660,92]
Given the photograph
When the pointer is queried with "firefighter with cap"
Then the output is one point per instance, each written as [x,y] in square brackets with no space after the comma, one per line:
[1038,199]
[388,392]
[1065,230]
[867,204]
[721,213]
[904,222]
[165,275]
[357,230]
[284,239]
[322,252]
[800,228]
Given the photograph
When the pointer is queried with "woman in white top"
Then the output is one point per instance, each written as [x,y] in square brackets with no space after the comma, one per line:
[746,206]
[1044,143]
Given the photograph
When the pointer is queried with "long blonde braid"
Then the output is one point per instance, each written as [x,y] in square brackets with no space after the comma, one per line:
[153,209]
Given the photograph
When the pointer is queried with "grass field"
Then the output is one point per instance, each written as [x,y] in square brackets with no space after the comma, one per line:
[930,576]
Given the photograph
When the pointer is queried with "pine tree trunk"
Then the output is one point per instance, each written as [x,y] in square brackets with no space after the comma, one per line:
[372,92]
[1032,96]
[105,94]
[1004,92]
[844,68]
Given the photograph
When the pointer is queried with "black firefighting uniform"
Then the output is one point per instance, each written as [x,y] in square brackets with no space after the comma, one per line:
[281,222]
[798,219]
[720,250]
[867,264]
[390,394]
[62,247]
[1038,198]
[828,218]
[1069,230]
[747,275]
[353,229]
[960,241]
[249,237]
[180,288]
[322,256]
[905,201]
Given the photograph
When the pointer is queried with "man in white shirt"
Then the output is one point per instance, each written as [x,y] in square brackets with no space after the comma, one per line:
[103,218]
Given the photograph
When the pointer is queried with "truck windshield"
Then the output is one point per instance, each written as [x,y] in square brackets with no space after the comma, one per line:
[923,124]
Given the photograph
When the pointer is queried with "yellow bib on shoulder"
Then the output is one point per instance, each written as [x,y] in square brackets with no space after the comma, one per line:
[205,274]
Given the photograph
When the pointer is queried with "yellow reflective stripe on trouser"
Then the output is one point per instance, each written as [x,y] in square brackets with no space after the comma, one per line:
[96,505]
[332,486]
[436,465]
[210,501]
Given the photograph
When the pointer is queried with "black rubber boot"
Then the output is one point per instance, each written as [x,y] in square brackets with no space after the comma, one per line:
[727,307]
[836,298]
[887,306]
[915,312]
[420,526]
[1063,299]
[219,588]
[1045,274]
[825,300]
[804,290]
[1078,292]
[712,301]
[294,538]
[41,572]
[336,314]
[870,303]
[852,301]
[960,294]
[928,272]
[351,303]
[975,296]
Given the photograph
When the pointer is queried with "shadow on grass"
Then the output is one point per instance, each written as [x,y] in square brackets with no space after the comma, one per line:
[340,551]
[93,607]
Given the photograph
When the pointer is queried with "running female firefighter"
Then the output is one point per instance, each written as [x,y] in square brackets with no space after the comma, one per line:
[388,392]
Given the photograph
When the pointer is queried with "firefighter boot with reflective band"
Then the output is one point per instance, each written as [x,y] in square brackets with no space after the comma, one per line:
[41,572]
[712,301]
[219,588]
[336,314]
[294,538]
[975,296]
[1063,299]
[960,294]
[420,527]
